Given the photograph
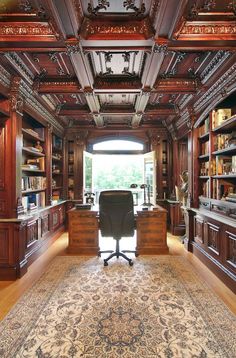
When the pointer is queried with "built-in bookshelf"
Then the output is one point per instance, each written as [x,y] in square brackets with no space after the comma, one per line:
[71,194]
[217,155]
[33,181]
[165,184]
[57,168]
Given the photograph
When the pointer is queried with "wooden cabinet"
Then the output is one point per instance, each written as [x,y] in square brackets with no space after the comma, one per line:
[152,231]
[83,232]
[21,239]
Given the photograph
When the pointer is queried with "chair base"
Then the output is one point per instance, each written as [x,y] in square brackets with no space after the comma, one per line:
[117,253]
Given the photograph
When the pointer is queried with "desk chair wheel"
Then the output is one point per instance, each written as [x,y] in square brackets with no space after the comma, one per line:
[105,263]
[131,263]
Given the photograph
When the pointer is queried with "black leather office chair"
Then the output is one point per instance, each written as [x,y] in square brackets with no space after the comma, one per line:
[116,218]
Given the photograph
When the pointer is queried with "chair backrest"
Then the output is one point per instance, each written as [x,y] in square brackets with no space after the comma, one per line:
[116,213]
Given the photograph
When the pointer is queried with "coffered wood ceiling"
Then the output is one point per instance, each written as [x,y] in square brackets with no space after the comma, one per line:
[121,64]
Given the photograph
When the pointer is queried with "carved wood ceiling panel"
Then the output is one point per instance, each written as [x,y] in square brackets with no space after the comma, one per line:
[120,64]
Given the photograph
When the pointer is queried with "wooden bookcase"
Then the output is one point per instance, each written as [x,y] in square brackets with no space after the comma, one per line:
[34,180]
[217,158]
[211,229]
[57,168]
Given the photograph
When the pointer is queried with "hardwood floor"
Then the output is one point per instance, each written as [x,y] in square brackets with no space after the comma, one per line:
[11,291]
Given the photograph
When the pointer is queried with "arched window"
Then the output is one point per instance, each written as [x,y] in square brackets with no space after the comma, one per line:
[118,145]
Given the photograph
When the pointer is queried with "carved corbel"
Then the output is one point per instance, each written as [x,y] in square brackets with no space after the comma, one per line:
[154,138]
[16,99]
[81,137]
[73,47]
[191,119]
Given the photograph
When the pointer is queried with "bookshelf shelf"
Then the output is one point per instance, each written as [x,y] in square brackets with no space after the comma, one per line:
[32,191]
[229,150]
[204,156]
[33,170]
[227,126]
[204,137]
[32,152]
[29,134]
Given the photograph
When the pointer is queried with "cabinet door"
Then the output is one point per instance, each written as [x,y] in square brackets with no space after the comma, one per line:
[32,234]
[230,248]
[199,230]
[212,238]
[55,219]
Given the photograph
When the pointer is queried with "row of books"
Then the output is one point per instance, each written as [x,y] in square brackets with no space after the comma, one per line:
[33,201]
[204,169]
[205,127]
[204,148]
[220,115]
[222,189]
[37,164]
[221,141]
[224,165]
[33,183]
[206,189]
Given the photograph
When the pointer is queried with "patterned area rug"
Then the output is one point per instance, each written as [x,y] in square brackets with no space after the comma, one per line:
[157,308]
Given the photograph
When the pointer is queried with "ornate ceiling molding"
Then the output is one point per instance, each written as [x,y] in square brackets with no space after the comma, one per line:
[5,77]
[220,57]
[130,5]
[207,30]
[116,30]
[30,99]
[175,85]
[117,83]
[102,5]
[20,66]
[27,31]
[58,87]
[223,82]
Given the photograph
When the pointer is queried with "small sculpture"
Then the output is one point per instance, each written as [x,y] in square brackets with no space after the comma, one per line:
[38,146]
[183,189]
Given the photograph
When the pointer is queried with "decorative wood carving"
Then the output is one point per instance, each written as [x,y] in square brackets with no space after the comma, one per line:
[59,87]
[27,31]
[45,224]
[213,237]
[32,232]
[114,30]
[130,5]
[178,85]
[203,30]
[220,57]
[231,252]
[117,83]
[102,5]
[223,82]
[4,244]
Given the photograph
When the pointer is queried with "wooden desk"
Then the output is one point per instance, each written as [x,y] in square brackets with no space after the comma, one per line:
[83,232]
[152,231]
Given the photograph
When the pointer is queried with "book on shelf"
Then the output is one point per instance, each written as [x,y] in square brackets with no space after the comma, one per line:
[40,162]
[221,141]
[221,189]
[204,169]
[38,199]
[30,166]
[206,189]
[33,183]
[220,115]
[204,148]
[205,127]
[223,165]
